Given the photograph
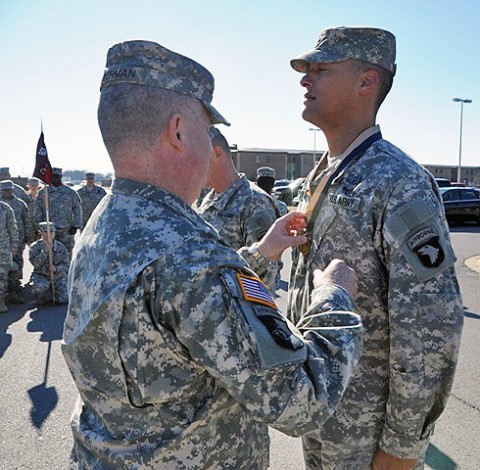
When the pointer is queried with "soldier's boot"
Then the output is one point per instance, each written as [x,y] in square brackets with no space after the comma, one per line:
[3,306]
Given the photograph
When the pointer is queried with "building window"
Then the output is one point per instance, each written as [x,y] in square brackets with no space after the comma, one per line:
[257,158]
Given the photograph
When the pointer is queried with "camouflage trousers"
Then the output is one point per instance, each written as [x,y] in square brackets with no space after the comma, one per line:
[339,455]
[42,288]
[66,238]
[4,274]
[15,271]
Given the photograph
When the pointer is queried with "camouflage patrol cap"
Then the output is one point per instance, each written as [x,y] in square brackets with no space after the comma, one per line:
[149,63]
[5,169]
[6,184]
[89,175]
[265,171]
[45,226]
[372,45]
[33,181]
[57,171]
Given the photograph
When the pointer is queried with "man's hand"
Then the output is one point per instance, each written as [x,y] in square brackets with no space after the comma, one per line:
[337,272]
[284,233]
[384,461]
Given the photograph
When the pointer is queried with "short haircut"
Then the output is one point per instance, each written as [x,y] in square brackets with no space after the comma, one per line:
[218,140]
[386,79]
[130,114]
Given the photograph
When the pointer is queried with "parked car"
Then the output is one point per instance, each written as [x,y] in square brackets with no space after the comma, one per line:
[443,182]
[461,204]
[286,193]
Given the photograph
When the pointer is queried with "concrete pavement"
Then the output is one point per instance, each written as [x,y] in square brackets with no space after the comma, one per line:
[473,263]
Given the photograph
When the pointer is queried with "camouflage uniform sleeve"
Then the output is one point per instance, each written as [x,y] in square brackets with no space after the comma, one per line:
[77,211]
[262,216]
[285,379]
[267,270]
[37,255]
[425,316]
[28,224]
[12,229]
[39,213]
[62,257]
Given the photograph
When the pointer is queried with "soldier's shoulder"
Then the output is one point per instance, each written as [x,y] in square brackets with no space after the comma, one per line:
[261,198]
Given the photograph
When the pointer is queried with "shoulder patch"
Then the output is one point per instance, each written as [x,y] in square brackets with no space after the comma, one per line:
[426,245]
[254,290]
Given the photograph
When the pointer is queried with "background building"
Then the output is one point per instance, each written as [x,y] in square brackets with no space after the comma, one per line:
[288,164]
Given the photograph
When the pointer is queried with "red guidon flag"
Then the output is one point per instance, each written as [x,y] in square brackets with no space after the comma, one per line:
[43,169]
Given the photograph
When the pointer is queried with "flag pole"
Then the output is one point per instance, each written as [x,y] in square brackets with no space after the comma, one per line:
[43,171]
[50,240]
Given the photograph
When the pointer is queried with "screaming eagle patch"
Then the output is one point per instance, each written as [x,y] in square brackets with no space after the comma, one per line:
[426,245]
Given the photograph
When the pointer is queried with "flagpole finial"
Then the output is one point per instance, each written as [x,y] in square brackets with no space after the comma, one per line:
[41,125]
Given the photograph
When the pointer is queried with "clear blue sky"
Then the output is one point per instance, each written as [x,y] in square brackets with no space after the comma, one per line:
[52,56]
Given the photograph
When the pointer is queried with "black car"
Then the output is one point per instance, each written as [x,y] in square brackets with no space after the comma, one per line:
[443,182]
[461,204]
[287,192]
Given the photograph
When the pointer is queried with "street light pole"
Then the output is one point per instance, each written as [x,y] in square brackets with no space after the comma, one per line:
[315,130]
[459,169]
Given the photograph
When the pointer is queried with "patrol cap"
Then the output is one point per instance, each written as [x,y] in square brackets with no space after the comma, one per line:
[57,171]
[149,63]
[33,181]
[5,169]
[89,175]
[6,184]
[265,171]
[372,45]
[44,226]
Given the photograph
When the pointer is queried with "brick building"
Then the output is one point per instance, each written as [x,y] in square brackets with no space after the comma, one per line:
[288,164]
[469,173]
[291,164]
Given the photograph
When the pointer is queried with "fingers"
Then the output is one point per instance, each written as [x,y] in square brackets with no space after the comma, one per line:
[339,273]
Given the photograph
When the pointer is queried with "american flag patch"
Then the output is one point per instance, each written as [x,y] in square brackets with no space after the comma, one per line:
[254,290]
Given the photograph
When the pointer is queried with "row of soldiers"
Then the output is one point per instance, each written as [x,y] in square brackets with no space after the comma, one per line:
[23,215]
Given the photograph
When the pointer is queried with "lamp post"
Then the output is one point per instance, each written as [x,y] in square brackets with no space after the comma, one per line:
[315,130]
[461,101]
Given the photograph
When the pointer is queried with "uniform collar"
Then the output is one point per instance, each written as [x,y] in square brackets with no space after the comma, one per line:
[153,193]
[220,200]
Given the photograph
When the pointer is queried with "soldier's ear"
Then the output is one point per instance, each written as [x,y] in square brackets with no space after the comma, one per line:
[175,131]
[370,80]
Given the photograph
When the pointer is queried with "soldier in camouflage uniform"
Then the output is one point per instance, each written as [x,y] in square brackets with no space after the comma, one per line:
[33,185]
[266,181]
[41,278]
[382,213]
[240,211]
[25,234]
[179,353]
[8,246]
[65,209]
[17,189]
[90,195]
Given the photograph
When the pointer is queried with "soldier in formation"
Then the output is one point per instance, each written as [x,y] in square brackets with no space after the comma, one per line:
[50,260]
[90,195]
[8,246]
[65,209]
[25,235]
[266,181]
[17,189]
